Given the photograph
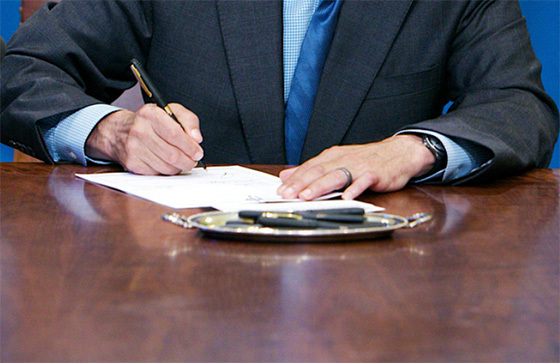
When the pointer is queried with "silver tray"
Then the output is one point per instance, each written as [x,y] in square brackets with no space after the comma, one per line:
[213,224]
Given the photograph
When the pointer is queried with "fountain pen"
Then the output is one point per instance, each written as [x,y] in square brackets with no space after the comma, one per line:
[152,92]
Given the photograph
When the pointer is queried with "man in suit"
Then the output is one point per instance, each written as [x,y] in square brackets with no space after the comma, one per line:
[226,68]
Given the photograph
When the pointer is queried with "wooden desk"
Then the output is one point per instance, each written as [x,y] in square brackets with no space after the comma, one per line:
[91,274]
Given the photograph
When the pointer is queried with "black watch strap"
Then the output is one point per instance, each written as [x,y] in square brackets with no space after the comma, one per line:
[438,150]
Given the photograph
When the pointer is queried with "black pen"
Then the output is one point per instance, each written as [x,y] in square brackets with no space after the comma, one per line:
[152,92]
[276,221]
[299,221]
[346,215]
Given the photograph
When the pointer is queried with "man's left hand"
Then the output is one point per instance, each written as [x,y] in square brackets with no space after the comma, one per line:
[383,166]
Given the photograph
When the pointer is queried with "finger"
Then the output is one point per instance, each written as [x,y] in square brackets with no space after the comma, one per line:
[145,145]
[143,160]
[189,120]
[171,133]
[300,179]
[286,173]
[359,185]
[329,182]
[167,158]
[139,166]
[162,166]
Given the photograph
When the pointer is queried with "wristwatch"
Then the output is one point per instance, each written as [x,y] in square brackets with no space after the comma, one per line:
[436,148]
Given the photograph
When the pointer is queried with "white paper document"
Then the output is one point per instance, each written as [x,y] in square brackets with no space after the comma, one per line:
[195,188]
[220,187]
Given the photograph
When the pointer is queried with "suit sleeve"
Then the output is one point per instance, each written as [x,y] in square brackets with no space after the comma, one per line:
[499,101]
[63,59]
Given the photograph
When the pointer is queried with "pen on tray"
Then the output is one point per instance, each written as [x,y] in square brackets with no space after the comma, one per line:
[150,90]
[316,219]
[347,215]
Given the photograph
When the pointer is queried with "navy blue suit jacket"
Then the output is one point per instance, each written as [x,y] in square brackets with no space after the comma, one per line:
[392,65]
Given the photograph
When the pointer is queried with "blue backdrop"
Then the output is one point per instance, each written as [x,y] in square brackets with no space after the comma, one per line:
[543,18]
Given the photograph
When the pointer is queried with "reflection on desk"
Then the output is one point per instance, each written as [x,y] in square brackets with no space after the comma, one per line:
[89,273]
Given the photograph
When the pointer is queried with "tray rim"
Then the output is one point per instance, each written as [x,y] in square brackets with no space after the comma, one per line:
[264,234]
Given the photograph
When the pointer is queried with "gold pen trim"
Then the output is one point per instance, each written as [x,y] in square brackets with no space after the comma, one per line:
[141,81]
[170,113]
[282,215]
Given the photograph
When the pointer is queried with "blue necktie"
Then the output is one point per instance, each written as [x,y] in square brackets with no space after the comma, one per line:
[309,68]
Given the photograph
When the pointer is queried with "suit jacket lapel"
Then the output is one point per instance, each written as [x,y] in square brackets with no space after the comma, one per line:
[252,34]
[364,34]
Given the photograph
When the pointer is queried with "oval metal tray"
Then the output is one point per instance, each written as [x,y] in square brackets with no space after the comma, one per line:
[213,224]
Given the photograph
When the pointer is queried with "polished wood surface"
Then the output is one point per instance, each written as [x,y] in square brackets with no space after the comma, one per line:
[20,157]
[91,274]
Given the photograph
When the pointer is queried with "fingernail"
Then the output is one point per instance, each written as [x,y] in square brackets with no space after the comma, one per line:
[195,134]
[306,194]
[288,193]
[199,155]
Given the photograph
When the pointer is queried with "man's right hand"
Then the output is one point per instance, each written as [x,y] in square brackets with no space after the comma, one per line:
[148,141]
